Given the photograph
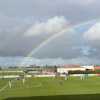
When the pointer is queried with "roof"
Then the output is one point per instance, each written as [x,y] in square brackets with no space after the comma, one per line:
[97,67]
[88,67]
[72,66]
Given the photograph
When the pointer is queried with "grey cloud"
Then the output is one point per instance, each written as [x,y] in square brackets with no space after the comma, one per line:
[17,16]
[42,10]
[51,26]
[62,46]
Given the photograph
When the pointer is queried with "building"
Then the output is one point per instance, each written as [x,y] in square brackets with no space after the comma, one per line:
[91,67]
[67,68]
[49,70]
[97,68]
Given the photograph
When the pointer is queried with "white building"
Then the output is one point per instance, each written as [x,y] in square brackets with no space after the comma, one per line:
[88,67]
[67,68]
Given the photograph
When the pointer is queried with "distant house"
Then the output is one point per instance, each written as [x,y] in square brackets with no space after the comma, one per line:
[97,68]
[49,70]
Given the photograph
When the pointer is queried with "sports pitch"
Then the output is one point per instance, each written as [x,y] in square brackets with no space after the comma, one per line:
[51,89]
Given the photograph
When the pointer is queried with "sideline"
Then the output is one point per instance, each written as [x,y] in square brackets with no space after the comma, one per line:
[4,87]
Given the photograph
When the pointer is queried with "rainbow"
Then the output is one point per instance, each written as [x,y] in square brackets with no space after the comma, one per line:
[42,44]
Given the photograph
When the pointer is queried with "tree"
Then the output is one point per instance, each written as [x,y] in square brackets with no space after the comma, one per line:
[0,68]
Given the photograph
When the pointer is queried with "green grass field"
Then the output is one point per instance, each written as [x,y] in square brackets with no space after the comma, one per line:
[52,89]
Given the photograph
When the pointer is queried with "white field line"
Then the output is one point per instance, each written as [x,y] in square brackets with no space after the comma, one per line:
[4,87]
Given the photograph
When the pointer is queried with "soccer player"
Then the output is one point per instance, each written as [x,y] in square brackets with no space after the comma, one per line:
[66,75]
[23,80]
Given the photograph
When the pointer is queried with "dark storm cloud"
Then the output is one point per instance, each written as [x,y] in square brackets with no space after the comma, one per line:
[76,10]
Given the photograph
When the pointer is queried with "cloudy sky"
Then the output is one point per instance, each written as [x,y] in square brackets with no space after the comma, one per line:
[57,31]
